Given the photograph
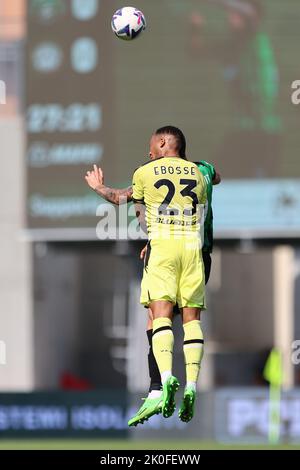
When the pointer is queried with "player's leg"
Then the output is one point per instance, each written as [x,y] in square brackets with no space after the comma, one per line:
[159,282]
[153,403]
[191,298]
[154,374]
[193,354]
[163,342]
[162,337]
[155,378]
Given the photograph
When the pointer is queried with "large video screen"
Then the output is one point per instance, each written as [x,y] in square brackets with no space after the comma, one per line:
[70,108]
[222,70]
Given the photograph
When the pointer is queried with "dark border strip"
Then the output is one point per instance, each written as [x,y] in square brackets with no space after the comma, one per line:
[190,341]
[162,328]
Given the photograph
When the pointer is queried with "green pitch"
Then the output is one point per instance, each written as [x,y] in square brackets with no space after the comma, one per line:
[63,444]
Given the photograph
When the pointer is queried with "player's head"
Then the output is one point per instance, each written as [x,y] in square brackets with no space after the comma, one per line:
[247,18]
[167,141]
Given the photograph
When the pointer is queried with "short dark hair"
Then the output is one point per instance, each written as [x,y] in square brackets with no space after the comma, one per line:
[179,137]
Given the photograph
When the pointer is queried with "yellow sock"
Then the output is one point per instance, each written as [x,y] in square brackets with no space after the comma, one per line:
[162,344]
[193,351]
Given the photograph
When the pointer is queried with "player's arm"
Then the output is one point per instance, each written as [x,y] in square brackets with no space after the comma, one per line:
[115,196]
[215,176]
[143,252]
[138,198]
[217,179]
[95,180]
[140,212]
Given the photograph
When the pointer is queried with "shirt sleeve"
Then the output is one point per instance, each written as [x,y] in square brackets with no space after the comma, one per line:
[137,187]
[210,168]
[203,198]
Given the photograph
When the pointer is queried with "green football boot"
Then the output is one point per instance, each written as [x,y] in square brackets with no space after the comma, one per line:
[150,407]
[187,408]
[170,387]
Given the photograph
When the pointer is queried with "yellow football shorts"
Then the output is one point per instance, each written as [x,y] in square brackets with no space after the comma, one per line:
[174,271]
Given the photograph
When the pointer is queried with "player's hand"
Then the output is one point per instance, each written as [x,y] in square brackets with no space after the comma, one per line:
[95,178]
[143,252]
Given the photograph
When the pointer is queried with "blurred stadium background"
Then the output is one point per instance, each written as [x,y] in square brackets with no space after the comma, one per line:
[70,320]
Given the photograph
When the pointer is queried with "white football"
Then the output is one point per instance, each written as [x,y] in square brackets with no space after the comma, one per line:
[127,23]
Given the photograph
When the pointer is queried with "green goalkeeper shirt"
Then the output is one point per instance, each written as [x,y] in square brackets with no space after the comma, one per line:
[209,173]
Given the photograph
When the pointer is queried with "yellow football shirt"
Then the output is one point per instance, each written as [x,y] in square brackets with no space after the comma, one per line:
[174,193]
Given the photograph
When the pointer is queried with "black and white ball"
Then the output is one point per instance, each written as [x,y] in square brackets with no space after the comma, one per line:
[128,23]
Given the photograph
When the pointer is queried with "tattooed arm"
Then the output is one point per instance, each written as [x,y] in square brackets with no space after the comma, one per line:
[95,180]
[115,196]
